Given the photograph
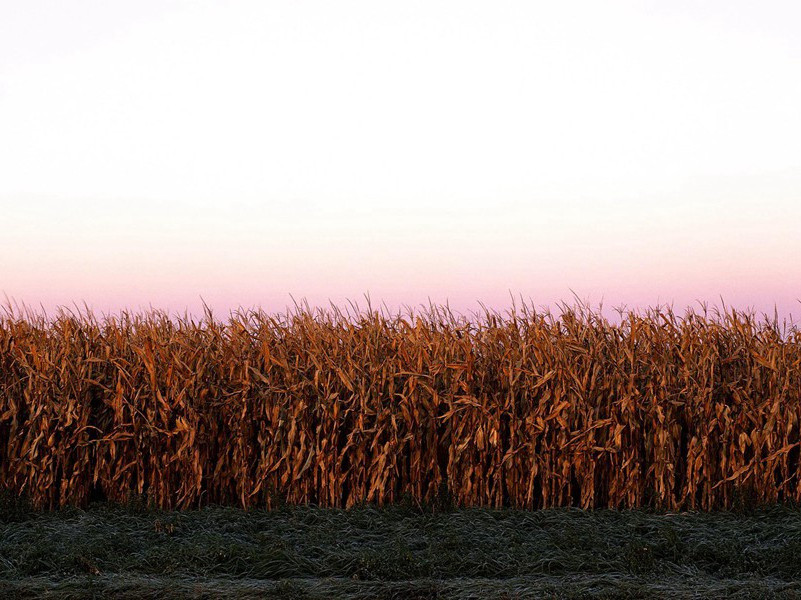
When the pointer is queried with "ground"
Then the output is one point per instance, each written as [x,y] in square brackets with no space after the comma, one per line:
[397,552]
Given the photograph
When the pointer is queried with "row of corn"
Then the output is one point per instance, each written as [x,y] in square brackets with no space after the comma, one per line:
[524,409]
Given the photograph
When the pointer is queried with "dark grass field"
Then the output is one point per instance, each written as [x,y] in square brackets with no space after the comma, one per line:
[397,552]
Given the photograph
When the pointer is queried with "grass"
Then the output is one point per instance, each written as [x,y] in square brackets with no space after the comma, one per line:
[397,552]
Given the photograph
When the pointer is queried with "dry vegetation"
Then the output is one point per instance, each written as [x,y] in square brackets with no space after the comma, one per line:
[525,409]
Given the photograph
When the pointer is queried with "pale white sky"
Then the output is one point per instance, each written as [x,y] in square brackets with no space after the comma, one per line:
[154,152]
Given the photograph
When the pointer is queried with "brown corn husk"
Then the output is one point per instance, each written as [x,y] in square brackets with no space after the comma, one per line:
[526,409]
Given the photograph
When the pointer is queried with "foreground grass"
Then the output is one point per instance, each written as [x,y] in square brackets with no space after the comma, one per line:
[126,552]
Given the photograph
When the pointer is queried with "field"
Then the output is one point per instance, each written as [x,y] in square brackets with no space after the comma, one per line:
[143,455]
[522,410]
[397,553]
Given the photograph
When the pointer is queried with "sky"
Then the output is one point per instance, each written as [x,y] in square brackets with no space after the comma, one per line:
[241,154]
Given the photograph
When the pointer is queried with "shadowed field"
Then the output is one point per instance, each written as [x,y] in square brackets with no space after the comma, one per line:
[398,552]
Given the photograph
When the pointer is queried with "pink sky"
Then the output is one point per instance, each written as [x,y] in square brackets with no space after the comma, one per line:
[638,153]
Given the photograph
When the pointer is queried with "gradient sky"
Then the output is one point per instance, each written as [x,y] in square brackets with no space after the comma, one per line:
[153,153]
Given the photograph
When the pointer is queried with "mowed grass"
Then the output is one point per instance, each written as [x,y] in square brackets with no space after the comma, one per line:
[397,552]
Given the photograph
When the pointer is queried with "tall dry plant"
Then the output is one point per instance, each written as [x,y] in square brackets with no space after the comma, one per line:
[525,409]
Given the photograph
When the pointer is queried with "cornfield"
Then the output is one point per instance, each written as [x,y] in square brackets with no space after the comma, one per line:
[527,408]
